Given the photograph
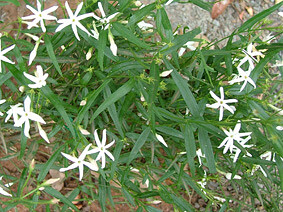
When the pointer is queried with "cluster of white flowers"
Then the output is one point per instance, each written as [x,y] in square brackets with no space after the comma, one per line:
[80,162]
[244,76]
[221,103]
[73,20]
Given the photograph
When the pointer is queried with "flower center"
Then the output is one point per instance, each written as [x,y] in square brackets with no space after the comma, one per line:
[101,149]
[221,102]
[26,114]
[74,20]
[40,15]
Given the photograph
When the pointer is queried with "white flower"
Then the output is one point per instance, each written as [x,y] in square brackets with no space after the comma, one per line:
[280,13]
[280,128]
[104,20]
[39,16]
[165,73]
[74,20]
[79,162]
[161,139]
[1,102]
[243,76]
[222,103]
[42,133]
[113,46]
[2,57]
[233,135]
[188,45]
[2,191]
[200,155]
[39,79]
[238,151]
[102,148]
[15,110]
[144,26]
[250,54]
[27,115]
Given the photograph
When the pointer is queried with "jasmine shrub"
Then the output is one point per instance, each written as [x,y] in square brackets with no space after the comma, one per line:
[139,113]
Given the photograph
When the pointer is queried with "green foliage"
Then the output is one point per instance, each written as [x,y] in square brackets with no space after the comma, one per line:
[160,124]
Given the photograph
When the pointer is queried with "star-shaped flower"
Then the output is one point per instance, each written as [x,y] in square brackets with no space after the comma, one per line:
[4,51]
[102,148]
[222,103]
[14,110]
[243,76]
[39,16]
[27,115]
[250,54]
[74,20]
[39,79]
[79,162]
[233,135]
[1,102]
[104,20]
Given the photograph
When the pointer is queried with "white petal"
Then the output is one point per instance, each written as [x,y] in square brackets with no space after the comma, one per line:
[166,73]
[103,138]
[69,157]
[42,133]
[161,139]
[101,9]
[109,155]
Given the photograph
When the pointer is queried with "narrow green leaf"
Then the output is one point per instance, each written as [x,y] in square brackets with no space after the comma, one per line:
[71,197]
[51,53]
[179,41]
[23,143]
[15,2]
[101,47]
[279,164]
[102,193]
[22,181]
[206,148]
[46,167]
[128,196]
[138,145]
[181,203]
[141,13]
[122,91]
[57,103]
[190,146]
[126,33]
[56,194]
[204,5]
[60,59]
[91,97]
[113,112]
[249,23]
[186,92]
